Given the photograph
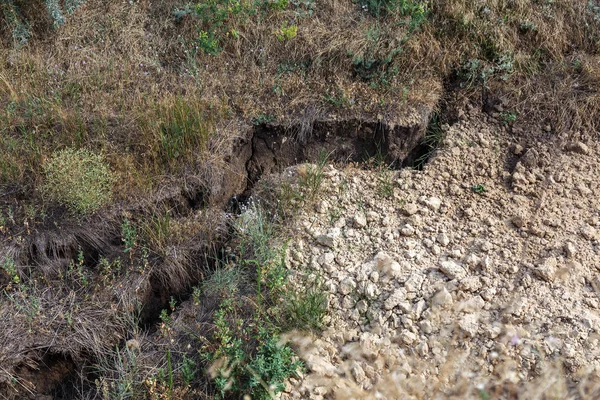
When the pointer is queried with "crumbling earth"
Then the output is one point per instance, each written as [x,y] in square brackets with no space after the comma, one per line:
[472,277]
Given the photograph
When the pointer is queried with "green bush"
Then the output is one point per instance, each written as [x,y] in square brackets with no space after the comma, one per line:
[78,179]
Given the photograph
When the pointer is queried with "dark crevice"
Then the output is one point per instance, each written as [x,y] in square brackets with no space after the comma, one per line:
[270,149]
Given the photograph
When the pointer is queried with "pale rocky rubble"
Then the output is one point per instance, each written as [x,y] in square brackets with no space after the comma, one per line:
[437,269]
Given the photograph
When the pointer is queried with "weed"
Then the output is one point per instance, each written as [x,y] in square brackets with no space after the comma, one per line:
[434,135]
[306,309]
[337,97]
[187,370]
[263,119]
[508,117]
[479,189]
[287,32]
[79,179]
[312,178]
[9,266]
[129,236]
[185,127]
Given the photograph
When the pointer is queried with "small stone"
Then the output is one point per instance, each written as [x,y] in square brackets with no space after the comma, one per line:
[423,349]
[518,221]
[407,230]
[362,306]
[570,249]
[546,270]
[322,207]
[588,232]
[374,277]
[452,270]
[434,203]
[474,304]
[443,239]
[578,147]
[398,296]
[470,284]
[346,286]
[407,337]
[442,298]
[359,220]
[469,324]
[326,240]
[326,259]
[357,372]
[547,128]
[472,260]
[425,327]
[410,209]
[517,149]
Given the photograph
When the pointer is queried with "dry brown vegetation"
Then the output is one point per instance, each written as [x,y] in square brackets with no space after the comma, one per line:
[129,80]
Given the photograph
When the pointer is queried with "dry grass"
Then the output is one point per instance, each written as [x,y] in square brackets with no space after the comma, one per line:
[123,79]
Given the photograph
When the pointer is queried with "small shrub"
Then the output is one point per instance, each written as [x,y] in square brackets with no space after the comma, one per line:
[78,179]
[9,266]
[287,32]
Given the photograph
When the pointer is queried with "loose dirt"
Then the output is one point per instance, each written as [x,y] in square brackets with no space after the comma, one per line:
[468,278]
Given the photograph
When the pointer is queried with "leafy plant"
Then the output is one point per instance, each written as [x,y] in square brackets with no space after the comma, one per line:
[287,32]
[9,266]
[508,117]
[187,370]
[263,119]
[79,179]
[128,236]
[479,189]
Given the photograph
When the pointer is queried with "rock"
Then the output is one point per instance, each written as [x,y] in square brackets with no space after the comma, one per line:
[442,298]
[414,282]
[434,203]
[422,349]
[326,240]
[443,239]
[323,207]
[357,372]
[517,149]
[407,230]
[372,217]
[546,270]
[452,270]
[474,304]
[326,259]
[425,327]
[410,209]
[387,266]
[570,249]
[407,337]
[362,306]
[346,286]
[398,296]
[359,220]
[472,260]
[519,221]
[369,289]
[588,232]
[470,284]
[469,324]
[578,147]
